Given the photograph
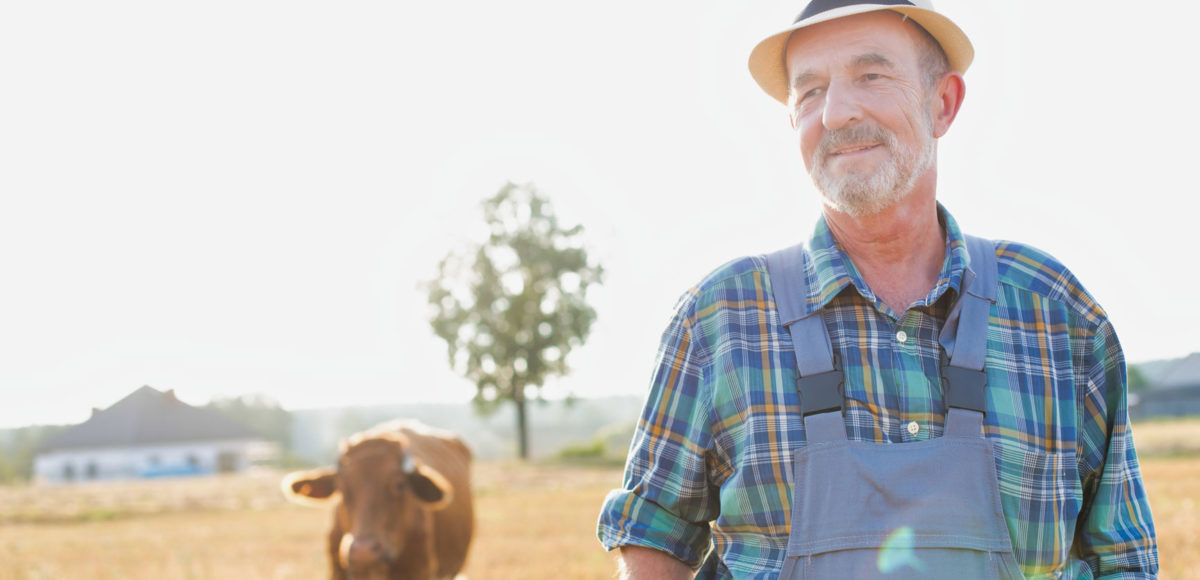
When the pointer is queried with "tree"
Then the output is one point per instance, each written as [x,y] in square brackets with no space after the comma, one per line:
[1136,379]
[264,415]
[513,308]
[18,448]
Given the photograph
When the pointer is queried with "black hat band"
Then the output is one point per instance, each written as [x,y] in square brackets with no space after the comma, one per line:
[818,6]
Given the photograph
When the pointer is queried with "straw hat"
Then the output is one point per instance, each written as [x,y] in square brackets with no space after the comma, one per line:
[767,59]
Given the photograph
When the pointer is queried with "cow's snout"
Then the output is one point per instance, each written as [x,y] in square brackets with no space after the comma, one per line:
[362,552]
[366,552]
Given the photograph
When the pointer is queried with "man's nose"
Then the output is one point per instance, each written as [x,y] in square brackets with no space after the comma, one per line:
[842,106]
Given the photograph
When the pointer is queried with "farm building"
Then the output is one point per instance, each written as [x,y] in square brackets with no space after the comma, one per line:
[1175,393]
[149,433]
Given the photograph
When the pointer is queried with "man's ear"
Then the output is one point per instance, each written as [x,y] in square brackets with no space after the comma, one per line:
[431,487]
[948,99]
[315,486]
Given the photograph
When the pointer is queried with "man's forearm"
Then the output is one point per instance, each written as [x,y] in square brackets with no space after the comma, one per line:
[639,563]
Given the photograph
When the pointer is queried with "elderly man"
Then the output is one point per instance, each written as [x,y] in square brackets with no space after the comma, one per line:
[894,398]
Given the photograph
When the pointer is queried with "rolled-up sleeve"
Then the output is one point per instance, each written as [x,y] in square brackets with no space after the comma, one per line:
[667,501]
[1116,537]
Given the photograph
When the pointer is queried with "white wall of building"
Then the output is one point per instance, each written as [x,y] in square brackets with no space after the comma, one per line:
[198,458]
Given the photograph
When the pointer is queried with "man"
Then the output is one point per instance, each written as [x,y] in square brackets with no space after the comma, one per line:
[866,443]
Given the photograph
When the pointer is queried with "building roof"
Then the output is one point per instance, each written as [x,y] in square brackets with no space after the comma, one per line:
[1184,373]
[145,417]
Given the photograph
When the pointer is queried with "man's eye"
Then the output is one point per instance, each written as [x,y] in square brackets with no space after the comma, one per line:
[872,76]
[810,93]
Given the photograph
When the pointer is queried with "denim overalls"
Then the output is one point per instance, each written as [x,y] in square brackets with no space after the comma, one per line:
[925,509]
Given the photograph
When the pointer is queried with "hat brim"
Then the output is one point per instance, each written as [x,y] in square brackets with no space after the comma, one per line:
[769,70]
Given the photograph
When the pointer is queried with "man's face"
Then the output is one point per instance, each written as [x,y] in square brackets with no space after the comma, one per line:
[860,109]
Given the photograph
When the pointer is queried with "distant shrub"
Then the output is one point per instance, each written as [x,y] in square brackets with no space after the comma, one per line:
[18,448]
[607,447]
[583,451]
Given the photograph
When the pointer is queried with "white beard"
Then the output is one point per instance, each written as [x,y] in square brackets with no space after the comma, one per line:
[865,193]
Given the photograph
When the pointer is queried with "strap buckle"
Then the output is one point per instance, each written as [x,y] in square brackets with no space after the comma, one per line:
[964,388]
[822,392]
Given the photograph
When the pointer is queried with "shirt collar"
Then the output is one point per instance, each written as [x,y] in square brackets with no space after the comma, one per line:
[830,270]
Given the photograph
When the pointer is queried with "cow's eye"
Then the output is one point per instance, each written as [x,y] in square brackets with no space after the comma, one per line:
[399,485]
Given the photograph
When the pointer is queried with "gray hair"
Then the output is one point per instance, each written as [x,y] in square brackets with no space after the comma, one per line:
[933,60]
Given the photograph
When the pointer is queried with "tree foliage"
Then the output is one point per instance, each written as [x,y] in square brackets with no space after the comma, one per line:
[1136,379]
[513,308]
[265,416]
[18,448]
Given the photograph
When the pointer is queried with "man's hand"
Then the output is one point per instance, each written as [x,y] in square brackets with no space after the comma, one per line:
[639,563]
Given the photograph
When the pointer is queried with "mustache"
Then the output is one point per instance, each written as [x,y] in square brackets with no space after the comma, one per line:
[854,134]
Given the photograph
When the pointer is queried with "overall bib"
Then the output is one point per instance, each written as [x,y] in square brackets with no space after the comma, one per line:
[925,509]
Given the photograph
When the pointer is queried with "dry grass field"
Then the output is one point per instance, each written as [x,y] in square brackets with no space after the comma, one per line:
[535,522]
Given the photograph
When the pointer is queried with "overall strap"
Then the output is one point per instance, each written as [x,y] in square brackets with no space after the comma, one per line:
[964,341]
[818,380]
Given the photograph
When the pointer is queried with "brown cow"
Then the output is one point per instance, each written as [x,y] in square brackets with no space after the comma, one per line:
[404,506]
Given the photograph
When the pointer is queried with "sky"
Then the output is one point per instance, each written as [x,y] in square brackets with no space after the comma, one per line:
[240,197]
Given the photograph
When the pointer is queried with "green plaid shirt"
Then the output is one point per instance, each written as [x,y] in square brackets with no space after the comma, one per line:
[709,469]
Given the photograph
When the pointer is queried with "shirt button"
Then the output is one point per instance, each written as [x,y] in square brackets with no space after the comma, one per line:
[901,337]
[913,428]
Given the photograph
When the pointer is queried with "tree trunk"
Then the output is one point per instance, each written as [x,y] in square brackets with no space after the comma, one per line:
[522,429]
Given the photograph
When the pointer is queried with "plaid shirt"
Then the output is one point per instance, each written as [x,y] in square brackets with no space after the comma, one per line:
[709,466]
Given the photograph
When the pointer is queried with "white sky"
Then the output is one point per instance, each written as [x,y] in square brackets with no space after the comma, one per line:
[239,196]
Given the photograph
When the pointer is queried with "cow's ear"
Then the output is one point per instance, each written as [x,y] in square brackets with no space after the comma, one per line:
[313,486]
[430,487]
